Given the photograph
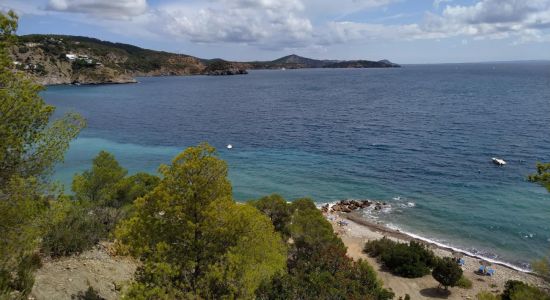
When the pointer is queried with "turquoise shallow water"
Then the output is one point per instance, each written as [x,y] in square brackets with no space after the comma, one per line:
[424,134]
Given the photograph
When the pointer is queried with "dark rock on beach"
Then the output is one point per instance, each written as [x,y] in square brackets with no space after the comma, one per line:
[348,206]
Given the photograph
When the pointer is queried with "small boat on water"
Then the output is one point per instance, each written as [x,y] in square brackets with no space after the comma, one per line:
[498,161]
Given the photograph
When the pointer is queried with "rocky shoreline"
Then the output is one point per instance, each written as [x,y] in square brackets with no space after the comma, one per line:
[348,206]
[351,211]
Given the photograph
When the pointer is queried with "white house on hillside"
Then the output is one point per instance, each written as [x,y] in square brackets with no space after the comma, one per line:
[71,56]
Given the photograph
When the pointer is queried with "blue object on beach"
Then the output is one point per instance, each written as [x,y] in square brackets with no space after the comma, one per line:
[461,262]
[490,272]
[481,269]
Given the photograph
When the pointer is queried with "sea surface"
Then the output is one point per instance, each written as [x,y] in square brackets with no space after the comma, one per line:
[420,138]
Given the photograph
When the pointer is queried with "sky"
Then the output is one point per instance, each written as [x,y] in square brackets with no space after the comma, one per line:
[403,31]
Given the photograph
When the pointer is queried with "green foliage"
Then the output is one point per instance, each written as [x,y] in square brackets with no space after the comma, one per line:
[375,248]
[542,176]
[317,265]
[194,241]
[75,227]
[130,188]
[517,290]
[487,296]
[407,260]
[20,210]
[447,272]
[277,210]
[542,267]
[31,144]
[302,204]
[100,183]
[464,283]
[104,196]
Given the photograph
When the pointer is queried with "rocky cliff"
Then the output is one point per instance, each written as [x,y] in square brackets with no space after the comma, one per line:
[55,59]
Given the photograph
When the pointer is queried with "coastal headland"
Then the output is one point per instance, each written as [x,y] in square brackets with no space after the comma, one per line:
[61,59]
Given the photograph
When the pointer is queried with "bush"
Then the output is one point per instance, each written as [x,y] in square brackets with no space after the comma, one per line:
[407,260]
[278,211]
[317,265]
[464,283]
[447,272]
[78,229]
[375,248]
[487,296]
[517,290]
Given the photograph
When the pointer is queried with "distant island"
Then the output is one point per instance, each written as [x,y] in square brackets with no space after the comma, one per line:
[62,59]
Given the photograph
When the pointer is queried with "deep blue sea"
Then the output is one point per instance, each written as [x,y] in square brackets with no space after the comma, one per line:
[420,138]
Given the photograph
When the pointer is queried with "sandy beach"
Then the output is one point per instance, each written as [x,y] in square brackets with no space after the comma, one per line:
[359,231]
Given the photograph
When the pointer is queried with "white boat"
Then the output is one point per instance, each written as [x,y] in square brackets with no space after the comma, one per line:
[229,146]
[498,161]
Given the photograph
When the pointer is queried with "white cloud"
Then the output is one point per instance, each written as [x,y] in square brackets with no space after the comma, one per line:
[110,9]
[265,23]
[526,21]
[290,24]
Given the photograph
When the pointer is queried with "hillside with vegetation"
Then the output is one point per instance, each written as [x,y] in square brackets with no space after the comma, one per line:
[297,62]
[62,59]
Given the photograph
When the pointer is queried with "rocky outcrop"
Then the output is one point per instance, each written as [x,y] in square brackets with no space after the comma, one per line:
[348,206]
[221,67]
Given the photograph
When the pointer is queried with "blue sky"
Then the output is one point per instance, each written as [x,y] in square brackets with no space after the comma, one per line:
[404,31]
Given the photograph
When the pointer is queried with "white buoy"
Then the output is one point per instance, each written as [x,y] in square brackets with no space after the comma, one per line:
[229,146]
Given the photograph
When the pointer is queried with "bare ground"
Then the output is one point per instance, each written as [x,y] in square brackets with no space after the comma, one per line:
[64,278]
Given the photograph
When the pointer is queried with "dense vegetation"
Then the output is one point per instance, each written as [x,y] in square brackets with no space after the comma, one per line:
[410,260]
[516,290]
[32,143]
[130,58]
[447,272]
[317,266]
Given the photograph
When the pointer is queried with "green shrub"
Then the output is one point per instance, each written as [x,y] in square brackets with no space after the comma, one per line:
[375,248]
[78,229]
[407,260]
[487,296]
[317,265]
[447,272]
[278,211]
[517,290]
[464,283]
